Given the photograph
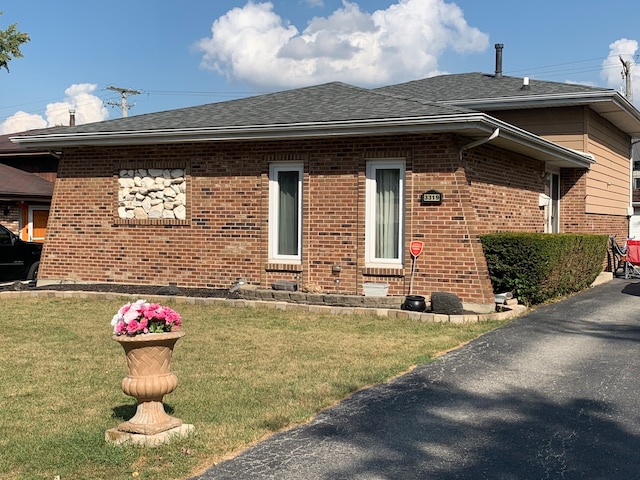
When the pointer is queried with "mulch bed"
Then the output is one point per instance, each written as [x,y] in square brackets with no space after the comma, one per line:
[127,289]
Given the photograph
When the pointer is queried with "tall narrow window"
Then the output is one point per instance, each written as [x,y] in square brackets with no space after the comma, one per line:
[285,212]
[385,212]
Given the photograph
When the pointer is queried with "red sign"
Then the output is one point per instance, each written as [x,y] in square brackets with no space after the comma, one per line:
[415,248]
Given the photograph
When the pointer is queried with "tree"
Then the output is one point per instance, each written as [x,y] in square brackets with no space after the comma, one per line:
[10,41]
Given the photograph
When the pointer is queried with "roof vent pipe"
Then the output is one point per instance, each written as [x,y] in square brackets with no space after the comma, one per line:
[72,118]
[525,84]
[499,47]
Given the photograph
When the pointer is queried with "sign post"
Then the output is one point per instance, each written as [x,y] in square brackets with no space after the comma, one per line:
[416,249]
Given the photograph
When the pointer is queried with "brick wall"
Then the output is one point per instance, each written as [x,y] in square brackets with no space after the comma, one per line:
[505,190]
[226,232]
[12,219]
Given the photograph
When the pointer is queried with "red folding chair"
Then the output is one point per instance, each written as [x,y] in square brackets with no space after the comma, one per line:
[632,269]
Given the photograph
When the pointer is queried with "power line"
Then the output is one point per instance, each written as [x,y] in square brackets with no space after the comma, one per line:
[533,69]
[568,68]
[202,93]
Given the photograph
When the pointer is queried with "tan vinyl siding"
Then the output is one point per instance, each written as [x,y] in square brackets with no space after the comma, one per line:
[609,179]
[579,128]
[573,142]
[566,124]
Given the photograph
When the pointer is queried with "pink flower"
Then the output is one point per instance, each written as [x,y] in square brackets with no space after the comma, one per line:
[143,324]
[173,318]
[132,327]
[143,317]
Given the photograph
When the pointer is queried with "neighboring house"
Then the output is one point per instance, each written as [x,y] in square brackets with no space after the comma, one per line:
[328,185]
[26,187]
[634,227]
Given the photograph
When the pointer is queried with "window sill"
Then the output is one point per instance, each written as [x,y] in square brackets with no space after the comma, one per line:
[383,272]
[283,267]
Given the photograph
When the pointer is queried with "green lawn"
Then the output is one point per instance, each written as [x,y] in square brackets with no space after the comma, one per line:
[244,373]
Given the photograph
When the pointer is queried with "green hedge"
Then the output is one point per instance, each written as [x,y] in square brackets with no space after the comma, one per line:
[538,267]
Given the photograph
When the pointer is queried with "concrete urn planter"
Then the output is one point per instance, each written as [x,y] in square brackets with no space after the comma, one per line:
[148,380]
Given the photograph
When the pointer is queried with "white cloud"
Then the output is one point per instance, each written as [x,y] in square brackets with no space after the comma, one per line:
[612,67]
[88,108]
[22,121]
[314,3]
[255,45]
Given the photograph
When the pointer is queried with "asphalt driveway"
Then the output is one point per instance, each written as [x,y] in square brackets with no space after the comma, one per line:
[554,394]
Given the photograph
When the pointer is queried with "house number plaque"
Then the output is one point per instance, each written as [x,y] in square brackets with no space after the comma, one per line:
[432,197]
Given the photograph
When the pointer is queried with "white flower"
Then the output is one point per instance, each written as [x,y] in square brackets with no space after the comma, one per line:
[133,311]
[116,318]
[132,314]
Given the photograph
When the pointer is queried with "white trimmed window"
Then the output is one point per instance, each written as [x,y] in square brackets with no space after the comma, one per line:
[553,209]
[385,213]
[285,212]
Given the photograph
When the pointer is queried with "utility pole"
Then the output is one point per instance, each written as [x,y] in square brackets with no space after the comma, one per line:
[626,73]
[123,95]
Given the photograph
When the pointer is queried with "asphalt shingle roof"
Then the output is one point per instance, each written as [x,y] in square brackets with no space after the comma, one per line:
[475,85]
[487,93]
[321,103]
[445,100]
[17,183]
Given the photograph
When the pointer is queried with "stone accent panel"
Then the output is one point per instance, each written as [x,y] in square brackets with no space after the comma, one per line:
[152,193]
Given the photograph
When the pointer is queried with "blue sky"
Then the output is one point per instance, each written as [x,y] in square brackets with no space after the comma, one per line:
[179,54]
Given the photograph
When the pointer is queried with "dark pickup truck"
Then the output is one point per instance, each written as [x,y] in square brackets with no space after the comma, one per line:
[19,260]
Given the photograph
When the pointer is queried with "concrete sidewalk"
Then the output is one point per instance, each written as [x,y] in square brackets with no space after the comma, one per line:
[551,395]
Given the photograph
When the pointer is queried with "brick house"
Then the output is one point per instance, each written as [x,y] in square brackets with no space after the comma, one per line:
[26,186]
[324,186]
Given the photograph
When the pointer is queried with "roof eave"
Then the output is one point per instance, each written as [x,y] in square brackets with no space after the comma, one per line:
[474,125]
[245,132]
[24,197]
[28,153]
[592,99]
[550,98]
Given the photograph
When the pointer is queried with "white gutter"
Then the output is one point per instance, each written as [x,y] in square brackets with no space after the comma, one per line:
[550,99]
[465,124]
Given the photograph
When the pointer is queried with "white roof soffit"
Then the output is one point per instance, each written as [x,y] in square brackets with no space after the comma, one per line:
[521,141]
[473,125]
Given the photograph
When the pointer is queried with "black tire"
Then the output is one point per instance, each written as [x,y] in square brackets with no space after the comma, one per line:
[33,271]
